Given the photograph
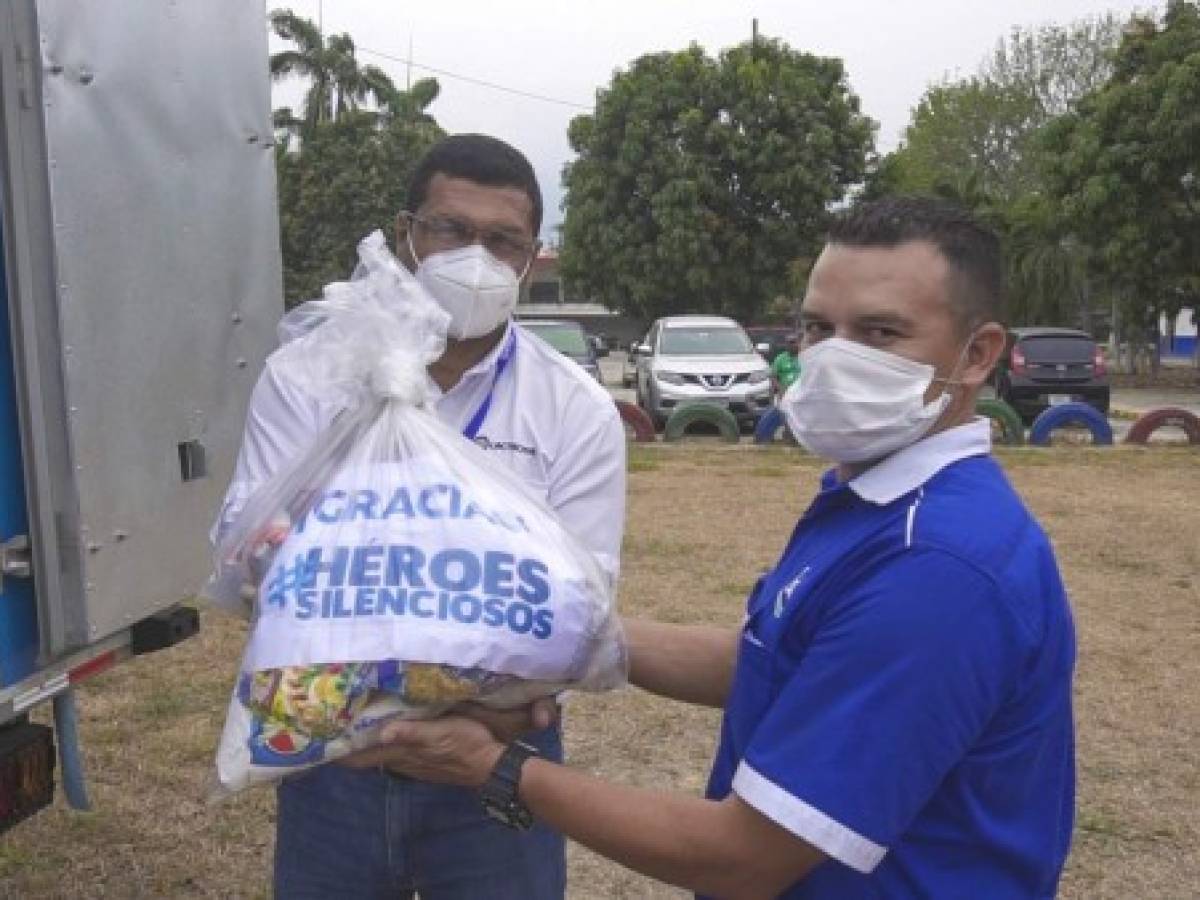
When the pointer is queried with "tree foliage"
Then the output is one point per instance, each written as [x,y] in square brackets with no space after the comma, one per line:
[973,131]
[1124,168]
[338,85]
[347,179]
[983,128]
[977,140]
[347,174]
[698,180]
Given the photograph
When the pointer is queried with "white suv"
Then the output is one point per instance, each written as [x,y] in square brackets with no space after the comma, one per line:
[691,358]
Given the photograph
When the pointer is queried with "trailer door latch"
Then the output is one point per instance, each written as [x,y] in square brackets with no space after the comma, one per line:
[15,559]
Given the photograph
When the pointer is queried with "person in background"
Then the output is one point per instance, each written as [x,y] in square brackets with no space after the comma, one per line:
[785,367]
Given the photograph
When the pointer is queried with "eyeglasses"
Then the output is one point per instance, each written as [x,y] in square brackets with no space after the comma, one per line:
[441,233]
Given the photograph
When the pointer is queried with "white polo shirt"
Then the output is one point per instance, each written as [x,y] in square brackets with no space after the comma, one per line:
[549,422]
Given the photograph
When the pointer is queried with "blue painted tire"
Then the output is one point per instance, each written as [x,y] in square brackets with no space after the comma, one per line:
[768,426]
[1071,413]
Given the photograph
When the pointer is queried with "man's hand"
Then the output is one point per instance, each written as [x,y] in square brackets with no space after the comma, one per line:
[450,750]
[256,554]
[509,724]
[451,753]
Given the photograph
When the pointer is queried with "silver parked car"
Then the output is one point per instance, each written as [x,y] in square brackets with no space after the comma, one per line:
[709,358]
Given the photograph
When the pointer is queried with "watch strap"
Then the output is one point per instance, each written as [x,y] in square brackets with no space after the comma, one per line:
[499,793]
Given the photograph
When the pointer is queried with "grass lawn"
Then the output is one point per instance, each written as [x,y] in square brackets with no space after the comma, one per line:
[704,520]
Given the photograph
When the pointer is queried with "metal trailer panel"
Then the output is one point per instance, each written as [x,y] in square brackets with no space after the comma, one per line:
[18,607]
[166,286]
[35,349]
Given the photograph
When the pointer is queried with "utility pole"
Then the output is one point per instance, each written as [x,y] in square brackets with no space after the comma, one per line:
[321,17]
[408,75]
[754,37]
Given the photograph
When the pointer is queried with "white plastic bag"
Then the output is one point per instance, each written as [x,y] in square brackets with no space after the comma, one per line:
[399,570]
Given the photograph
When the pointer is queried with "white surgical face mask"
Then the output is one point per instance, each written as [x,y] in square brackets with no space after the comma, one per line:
[856,404]
[478,290]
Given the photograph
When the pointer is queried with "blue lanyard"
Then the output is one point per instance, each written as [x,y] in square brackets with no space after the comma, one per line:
[506,355]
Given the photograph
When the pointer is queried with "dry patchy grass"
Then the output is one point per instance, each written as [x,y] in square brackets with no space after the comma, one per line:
[703,522]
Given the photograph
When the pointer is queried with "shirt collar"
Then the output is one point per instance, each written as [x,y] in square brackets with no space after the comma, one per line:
[483,367]
[908,469]
[488,363]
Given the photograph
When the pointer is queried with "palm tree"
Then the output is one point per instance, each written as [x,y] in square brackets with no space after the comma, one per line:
[339,85]
[410,106]
[1049,267]
[309,60]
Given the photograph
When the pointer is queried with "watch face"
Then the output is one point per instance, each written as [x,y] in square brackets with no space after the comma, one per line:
[495,810]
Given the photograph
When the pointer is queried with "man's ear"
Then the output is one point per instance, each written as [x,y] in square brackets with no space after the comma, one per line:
[528,276]
[403,250]
[984,351]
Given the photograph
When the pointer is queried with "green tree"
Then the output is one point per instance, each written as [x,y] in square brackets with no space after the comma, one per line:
[338,84]
[698,181]
[1123,168]
[977,140]
[349,171]
[972,130]
[347,179]
[1056,65]
[984,127]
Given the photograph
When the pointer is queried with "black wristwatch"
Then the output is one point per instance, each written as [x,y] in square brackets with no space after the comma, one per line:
[499,793]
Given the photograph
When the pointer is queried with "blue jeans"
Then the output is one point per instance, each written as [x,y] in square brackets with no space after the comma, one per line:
[354,834]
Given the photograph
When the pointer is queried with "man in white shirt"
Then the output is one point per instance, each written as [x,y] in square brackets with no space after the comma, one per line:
[469,235]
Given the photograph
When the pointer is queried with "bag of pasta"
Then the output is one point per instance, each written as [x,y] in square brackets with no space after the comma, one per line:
[394,570]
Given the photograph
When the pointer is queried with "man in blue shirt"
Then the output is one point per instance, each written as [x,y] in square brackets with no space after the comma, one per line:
[898,700]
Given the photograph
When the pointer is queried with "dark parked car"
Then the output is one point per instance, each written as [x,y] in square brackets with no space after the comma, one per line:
[569,339]
[1044,367]
[774,337]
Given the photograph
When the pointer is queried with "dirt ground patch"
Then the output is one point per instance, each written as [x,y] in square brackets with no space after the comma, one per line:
[703,522]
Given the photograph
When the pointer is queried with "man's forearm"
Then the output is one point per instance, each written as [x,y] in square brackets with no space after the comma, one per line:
[691,663]
[722,849]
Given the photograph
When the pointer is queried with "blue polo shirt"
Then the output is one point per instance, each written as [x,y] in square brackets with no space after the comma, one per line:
[902,698]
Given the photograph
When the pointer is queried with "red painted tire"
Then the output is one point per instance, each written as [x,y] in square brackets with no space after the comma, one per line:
[1150,422]
[635,417]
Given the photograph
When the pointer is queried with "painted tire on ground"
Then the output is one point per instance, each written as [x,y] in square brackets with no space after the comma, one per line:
[690,413]
[1070,413]
[635,417]
[768,426]
[1012,429]
[1166,416]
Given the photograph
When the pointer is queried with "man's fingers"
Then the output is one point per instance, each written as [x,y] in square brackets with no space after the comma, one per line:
[545,712]
[390,750]
[509,724]
[505,724]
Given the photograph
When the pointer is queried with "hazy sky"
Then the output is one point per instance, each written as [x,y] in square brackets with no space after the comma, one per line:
[567,49]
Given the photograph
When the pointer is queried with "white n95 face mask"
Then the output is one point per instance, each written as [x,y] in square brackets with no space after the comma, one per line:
[478,290]
[856,404]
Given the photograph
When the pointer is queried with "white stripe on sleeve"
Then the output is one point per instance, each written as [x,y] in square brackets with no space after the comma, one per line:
[808,823]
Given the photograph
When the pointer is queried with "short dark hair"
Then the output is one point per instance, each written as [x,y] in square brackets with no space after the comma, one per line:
[479,158]
[971,248]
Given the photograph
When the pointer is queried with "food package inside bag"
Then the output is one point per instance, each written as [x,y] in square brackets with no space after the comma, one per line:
[393,570]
